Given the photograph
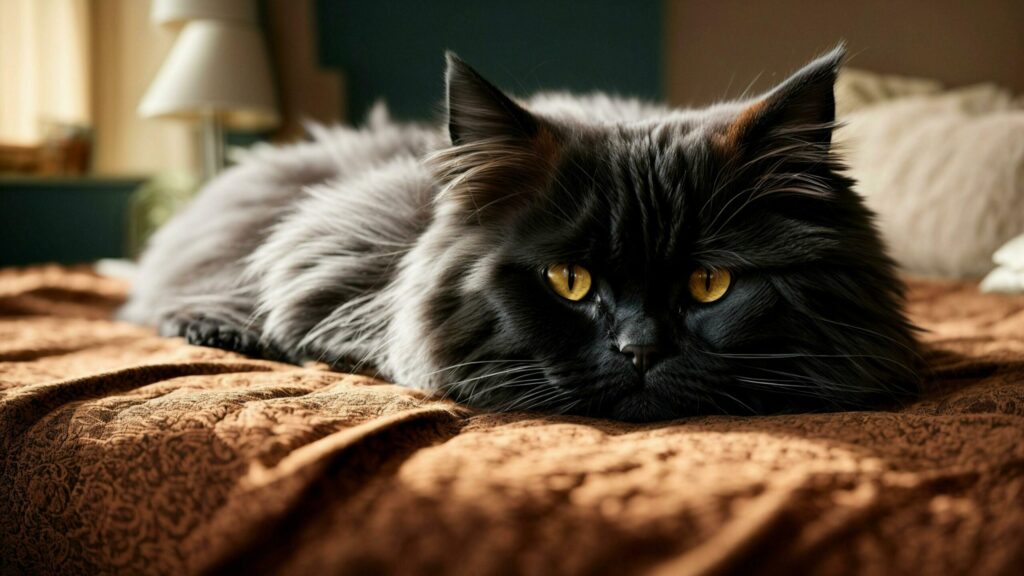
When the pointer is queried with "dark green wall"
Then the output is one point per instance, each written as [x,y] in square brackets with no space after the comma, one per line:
[394,49]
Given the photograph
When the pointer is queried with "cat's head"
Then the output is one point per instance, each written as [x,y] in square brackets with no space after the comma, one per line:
[651,264]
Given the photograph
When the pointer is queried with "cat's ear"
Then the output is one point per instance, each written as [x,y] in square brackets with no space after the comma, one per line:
[501,154]
[478,110]
[801,108]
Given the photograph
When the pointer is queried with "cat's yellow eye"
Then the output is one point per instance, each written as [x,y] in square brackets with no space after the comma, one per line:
[570,281]
[708,285]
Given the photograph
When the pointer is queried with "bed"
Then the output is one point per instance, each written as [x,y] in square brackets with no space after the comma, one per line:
[123,452]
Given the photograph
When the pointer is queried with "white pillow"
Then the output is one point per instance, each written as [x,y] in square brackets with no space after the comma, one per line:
[945,173]
[858,89]
[1009,273]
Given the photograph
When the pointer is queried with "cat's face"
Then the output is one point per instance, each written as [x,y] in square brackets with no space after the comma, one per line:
[702,263]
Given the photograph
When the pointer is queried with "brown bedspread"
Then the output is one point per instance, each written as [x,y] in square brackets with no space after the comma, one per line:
[123,452]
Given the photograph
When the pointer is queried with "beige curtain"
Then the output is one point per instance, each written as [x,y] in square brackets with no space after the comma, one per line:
[88,62]
[44,67]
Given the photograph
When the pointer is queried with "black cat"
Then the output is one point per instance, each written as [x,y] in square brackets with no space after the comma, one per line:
[572,254]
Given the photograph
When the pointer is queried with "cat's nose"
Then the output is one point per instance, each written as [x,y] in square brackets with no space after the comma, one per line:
[644,356]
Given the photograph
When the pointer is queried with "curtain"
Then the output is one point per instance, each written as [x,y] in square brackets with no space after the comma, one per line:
[44,67]
[88,63]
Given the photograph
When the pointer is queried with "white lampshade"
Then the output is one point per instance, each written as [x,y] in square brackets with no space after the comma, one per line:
[215,68]
[175,13]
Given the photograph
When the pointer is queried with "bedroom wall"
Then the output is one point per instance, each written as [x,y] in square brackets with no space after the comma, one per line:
[306,90]
[393,49]
[127,50]
[714,49]
[687,51]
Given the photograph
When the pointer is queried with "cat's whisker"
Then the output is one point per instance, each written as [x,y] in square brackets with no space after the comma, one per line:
[874,333]
[368,356]
[736,400]
[489,394]
[539,397]
[792,355]
[773,384]
[479,381]
[708,397]
[478,390]
[571,406]
[479,362]
[821,384]
[499,373]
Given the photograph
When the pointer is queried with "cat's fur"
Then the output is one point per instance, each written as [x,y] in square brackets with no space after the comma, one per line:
[419,253]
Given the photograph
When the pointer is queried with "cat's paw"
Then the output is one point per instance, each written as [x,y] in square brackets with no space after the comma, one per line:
[200,330]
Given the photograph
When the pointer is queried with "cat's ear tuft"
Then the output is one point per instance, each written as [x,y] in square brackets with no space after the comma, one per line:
[478,110]
[501,155]
[803,106]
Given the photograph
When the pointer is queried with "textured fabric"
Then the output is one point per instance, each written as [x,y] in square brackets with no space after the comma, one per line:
[123,452]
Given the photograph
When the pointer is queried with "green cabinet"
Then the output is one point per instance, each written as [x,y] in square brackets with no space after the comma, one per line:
[64,220]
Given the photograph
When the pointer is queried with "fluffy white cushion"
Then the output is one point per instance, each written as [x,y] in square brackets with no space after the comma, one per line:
[859,89]
[945,173]
[1009,273]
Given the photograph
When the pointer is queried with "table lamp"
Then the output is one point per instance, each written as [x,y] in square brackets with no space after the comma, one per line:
[217,73]
[176,13]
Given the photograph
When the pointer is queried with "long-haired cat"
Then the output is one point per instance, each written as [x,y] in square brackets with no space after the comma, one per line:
[568,254]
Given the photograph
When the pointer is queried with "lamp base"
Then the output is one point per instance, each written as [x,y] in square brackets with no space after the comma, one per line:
[213,145]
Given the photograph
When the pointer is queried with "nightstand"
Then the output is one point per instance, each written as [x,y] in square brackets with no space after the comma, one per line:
[65,220]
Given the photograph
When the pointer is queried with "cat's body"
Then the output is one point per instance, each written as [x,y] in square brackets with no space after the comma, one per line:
[275,244]
[389,249]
